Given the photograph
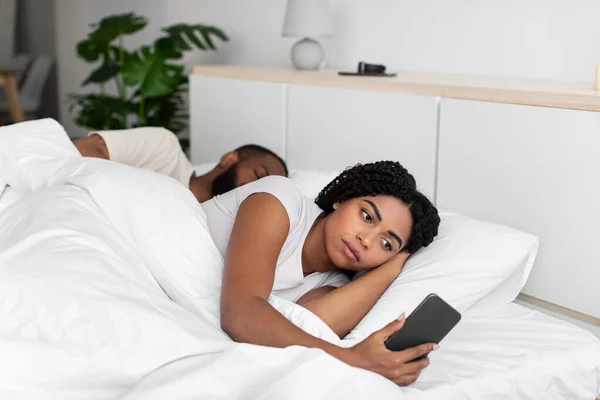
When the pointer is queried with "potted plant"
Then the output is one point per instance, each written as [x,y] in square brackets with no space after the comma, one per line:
[149,84]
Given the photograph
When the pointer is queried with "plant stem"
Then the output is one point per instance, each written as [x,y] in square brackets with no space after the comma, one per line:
[121,47]
[119,85]
[102,91]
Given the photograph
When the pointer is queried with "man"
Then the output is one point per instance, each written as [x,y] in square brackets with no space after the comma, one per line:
[159,150]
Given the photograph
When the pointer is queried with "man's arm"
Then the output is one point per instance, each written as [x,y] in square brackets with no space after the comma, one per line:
[92,146]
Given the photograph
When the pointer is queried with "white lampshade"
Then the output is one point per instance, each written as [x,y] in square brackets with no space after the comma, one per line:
[305,18]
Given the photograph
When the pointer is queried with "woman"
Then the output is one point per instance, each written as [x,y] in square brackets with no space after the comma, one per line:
[275,240]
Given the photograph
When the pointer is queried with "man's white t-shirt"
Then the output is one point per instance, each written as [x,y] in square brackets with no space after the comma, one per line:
[156,149]
[290,282]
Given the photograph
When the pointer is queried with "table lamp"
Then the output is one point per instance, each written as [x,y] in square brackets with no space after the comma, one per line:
[306,19]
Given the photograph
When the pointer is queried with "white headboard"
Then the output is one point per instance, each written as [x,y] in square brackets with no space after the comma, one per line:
[532,163]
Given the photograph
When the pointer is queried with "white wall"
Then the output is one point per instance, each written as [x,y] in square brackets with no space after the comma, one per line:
[556,39]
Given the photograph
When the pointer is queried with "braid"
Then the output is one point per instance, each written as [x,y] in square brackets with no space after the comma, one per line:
[385,178]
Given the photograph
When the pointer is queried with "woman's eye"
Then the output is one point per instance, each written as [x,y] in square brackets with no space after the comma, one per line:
[366,216]
[386,244]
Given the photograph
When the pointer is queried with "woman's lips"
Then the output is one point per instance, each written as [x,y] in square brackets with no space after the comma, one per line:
[351,251]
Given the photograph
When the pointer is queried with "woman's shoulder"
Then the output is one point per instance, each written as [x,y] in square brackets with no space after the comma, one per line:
[283,189]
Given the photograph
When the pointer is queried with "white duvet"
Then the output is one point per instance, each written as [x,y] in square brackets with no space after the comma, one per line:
[109,282]
[109,288]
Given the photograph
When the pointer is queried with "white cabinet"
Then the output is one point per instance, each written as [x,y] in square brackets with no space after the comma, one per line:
[332,128]
[227,113]
[314,127]
[536,169]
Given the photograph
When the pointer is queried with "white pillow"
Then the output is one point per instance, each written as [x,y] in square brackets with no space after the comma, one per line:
[475,266]
[311,182]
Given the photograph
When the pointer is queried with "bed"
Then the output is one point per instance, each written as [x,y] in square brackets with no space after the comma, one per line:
[99,301]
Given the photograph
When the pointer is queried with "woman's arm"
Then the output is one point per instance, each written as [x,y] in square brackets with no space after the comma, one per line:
[342,308]
[260,229]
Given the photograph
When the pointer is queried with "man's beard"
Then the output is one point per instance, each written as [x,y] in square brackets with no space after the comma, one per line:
[225,182]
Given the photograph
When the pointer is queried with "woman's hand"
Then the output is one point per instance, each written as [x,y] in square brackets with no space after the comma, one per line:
[371,354]
[396,263]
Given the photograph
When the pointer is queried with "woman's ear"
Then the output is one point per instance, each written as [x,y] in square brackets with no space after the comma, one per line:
[335,205]
[229,159]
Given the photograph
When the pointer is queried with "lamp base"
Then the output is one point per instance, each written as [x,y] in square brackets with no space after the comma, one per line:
[307,54]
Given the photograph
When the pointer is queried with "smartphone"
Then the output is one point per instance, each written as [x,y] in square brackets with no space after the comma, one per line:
[430,322]
[384,74]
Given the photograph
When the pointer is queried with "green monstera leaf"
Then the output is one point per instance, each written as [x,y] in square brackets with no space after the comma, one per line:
[90,50]
[107,30]
[110,28]
[102,74]
[149,70]
[181,35]
[109,68]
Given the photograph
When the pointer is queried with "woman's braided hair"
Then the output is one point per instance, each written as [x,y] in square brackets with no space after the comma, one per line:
[385,178]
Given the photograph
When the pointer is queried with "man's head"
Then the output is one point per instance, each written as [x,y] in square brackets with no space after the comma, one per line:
[247,164]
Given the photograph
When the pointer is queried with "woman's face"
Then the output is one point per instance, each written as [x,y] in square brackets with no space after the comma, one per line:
[365,232]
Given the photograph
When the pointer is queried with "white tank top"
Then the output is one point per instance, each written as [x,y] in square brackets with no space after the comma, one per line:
[289,282]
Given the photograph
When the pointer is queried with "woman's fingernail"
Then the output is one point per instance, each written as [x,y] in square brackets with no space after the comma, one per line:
[435,346]
[401,317]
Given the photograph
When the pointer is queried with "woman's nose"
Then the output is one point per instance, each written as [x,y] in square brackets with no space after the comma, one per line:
[364,240]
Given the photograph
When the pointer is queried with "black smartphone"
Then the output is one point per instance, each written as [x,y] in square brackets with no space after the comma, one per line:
[384,74]
[430,322]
